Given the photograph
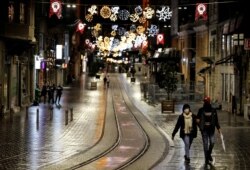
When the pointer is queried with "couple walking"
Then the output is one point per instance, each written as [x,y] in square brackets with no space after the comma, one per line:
[206,120]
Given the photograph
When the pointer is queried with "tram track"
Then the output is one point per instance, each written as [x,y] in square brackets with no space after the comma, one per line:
[128,141]
[132,141]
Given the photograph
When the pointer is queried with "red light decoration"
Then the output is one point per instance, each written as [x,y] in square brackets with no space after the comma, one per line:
[80,27]
[201,12]
[55,8]
[160,39]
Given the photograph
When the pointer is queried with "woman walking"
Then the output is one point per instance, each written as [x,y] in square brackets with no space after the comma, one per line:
[188,129]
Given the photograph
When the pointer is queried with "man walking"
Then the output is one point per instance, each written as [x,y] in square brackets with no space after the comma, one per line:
[207,120]
[59,90]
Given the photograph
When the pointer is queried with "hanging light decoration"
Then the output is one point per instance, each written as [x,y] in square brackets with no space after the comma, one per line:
[93,10]
[105,12]
[140,29]
[138,10]
[113,33]
[123,15]
[164,14]
[80,27]
[132,28]
[89,17]
[134,17]
[55,8]
[114,27]
[148,12]
[98,27]
[113,17]
[121,31]
[201,11]
[160,39]
[142,20]
[115,9]
[153,30]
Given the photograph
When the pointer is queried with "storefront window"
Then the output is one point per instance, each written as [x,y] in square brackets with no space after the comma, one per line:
[22,13]
[11,11]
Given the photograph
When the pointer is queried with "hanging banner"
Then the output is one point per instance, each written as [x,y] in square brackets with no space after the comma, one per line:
[160,39]
[201,12]
[55,8]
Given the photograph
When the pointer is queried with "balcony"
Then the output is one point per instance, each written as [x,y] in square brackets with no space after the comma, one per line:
[17,31]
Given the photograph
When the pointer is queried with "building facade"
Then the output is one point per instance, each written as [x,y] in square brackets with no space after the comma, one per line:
[212,36]
[17,39]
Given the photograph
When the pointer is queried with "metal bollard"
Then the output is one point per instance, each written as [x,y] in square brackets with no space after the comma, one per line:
[71,114]
[27,112]
[66,117]
[11,114]
[51,113]
[37,115]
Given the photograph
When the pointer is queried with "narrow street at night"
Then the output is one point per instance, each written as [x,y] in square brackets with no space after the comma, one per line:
[44,138]
[133,85]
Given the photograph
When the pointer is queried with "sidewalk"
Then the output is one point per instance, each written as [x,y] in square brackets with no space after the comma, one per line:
[34,139]
[234,129]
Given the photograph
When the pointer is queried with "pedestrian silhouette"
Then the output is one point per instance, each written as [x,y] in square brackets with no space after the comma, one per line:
[44,93]
[188,129]
[207,120]
[59,90]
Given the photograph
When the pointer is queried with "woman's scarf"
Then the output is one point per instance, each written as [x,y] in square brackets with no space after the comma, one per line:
[188,122]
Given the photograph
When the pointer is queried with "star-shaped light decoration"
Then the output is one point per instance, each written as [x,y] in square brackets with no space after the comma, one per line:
[164,14]
[153,30]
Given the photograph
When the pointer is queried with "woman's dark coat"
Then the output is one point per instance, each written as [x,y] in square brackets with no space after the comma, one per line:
[181,125]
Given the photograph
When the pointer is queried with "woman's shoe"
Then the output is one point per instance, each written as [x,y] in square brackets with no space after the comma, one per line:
[187,160]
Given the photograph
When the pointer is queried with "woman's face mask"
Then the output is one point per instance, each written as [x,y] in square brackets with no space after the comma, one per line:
[186,110]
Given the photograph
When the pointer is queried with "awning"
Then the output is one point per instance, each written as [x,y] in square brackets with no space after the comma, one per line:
[208,60]
[205,70]
[233,25]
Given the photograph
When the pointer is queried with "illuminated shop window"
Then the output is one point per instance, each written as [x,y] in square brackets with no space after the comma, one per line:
[22,13]
[11,11]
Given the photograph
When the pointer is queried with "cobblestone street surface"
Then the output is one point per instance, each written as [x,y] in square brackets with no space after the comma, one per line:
[33,139]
